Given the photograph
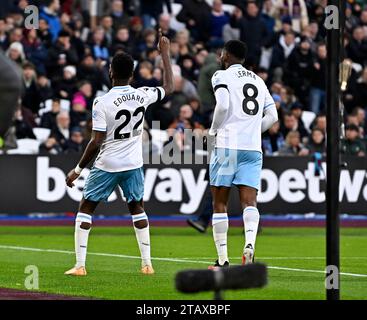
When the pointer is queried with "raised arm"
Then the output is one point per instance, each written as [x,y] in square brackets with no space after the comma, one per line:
[164,48]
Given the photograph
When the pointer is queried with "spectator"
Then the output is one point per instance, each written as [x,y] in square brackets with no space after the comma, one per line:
[188,67]
[107,26]
[294,9]
[30,97]
[357,47]
[184,90]
[318,81]
[48,119]
[359,91]
[34,50]
[205,89]
[164,25]
[122,41]
[119,16]
[273,140]
[60,55]
[50,14]
[79,113]
[281,52]
[197,117]
[183,41]
[298,70]
[149,41]
[43,33]
[4,41]
[84,95]
[61,132]
[99,50]
[316,142]
[291,124]
[218,19]
[66,87]
[23,129]
[151,10]
[353,144]
[254,40]
[50,146]
[15,35]
[182,123]
[320,122]
[196,16]
[75,143]
[297,110]
[145,77]
[267,16]
[293,145]
[44,88]
[16,53]
[89,70]
[360,114]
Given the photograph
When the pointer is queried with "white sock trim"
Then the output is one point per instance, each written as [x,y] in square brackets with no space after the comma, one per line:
[83,217]
[219,217]
[250,208]
[139,217]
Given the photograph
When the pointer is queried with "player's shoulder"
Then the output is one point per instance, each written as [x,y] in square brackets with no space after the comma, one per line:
[98,102]
[219,74]
[219,78]
[147,90]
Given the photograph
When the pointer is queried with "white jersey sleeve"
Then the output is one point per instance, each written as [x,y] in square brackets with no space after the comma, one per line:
[269,101]
[98,116]
[152,94]
[219,80]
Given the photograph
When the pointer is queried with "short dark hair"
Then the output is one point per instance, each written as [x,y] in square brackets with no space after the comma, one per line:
[352,127]
[122,66]
[236,48]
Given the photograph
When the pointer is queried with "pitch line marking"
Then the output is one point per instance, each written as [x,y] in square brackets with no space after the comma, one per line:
[279,258]
[165,259]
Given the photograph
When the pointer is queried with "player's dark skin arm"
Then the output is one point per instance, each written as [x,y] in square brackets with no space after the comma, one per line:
[164,48]
[89,153]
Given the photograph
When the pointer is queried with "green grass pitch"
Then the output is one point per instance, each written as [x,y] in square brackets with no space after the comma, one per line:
[113,263]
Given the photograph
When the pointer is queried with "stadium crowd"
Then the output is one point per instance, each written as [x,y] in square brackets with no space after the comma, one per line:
[64,65]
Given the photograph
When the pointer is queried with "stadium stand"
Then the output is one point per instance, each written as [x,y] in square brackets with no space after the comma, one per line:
[65,65]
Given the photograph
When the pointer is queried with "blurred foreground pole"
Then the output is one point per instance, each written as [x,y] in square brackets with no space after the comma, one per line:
[10,91]
[333,154]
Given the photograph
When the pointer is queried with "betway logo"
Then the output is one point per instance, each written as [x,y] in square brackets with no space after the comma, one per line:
[169,185]
[165,185]
[294,186]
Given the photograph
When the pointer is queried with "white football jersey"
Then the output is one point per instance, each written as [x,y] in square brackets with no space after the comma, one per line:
[120,113]
[249,97]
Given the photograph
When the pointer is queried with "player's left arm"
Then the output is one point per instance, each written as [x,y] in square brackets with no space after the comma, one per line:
[221,93]
[221,109]
[270,112]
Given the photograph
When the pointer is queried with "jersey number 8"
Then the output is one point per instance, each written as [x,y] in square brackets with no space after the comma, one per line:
[250,98]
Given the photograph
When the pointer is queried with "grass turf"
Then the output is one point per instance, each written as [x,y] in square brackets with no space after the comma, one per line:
[113,277]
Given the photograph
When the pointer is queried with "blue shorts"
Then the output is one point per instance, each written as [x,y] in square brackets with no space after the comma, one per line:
[235,167]
[100,184]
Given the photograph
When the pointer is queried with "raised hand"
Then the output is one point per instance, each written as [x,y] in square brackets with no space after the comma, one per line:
[163,43]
